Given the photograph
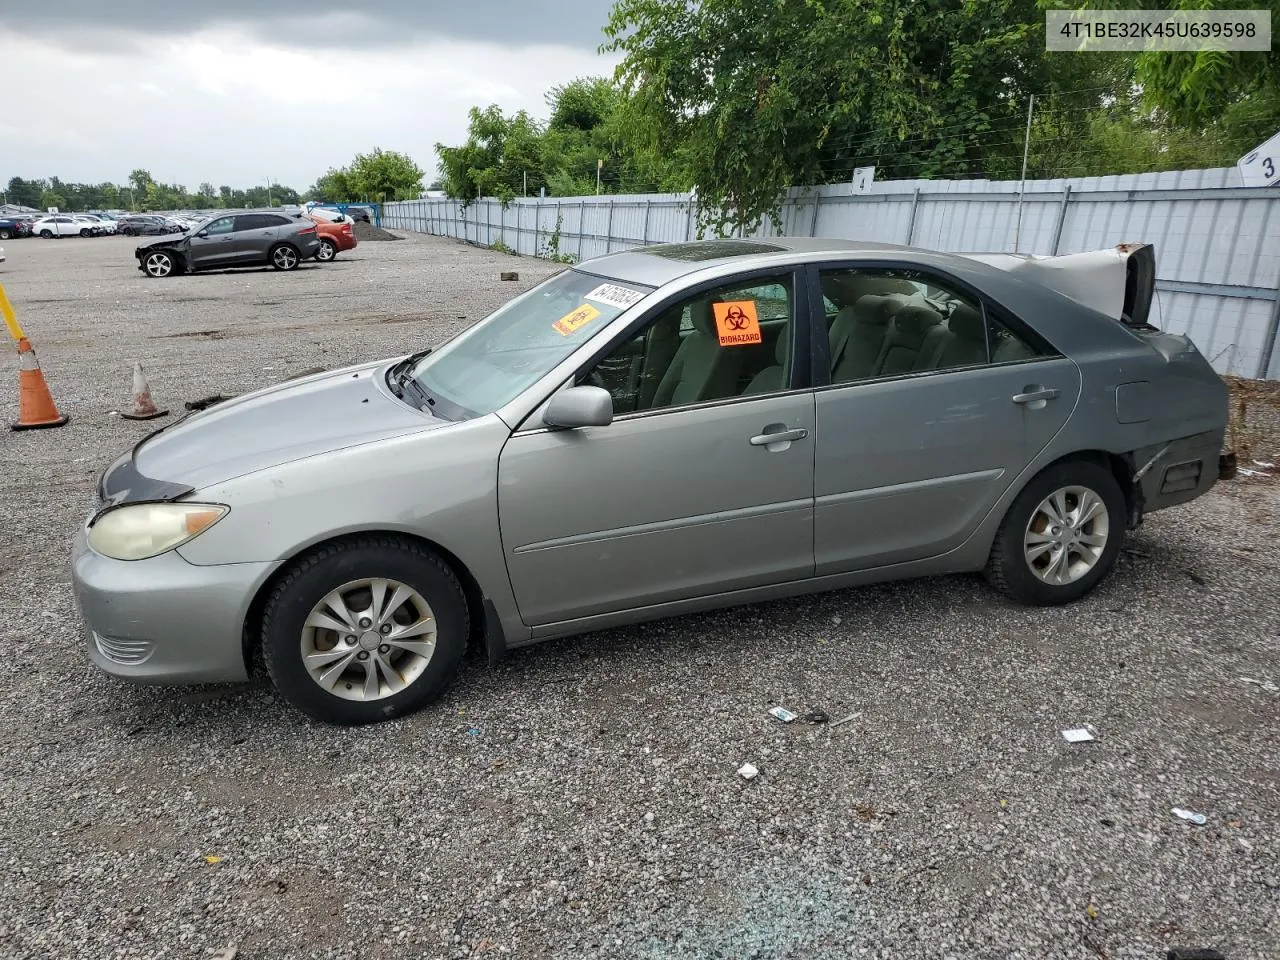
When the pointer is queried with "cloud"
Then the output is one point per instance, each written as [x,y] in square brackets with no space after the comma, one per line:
[328,23]
[235,99]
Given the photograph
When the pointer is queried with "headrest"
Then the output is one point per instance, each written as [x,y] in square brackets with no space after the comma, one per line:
[914,322]
[703,317]
[850,286]
[966,322]
[873,310]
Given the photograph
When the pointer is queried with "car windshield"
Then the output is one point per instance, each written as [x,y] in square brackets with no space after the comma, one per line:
[510,350]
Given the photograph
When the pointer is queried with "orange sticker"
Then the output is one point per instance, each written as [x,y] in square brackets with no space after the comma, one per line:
[578,318]
[737,323]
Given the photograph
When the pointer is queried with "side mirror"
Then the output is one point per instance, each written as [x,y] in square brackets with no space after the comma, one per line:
[203,234]
[580,407]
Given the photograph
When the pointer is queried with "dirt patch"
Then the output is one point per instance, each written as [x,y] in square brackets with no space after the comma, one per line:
[1253,431]
[205,334]
[367,231]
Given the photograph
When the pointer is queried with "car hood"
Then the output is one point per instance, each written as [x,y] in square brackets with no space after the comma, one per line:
[164,240]
[290,421]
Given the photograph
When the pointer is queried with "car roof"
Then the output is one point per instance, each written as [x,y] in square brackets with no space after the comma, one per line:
[659,264]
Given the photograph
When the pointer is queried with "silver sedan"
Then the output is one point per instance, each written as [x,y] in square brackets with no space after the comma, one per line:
[655,432]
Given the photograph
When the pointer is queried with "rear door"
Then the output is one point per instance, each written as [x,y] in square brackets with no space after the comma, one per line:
[916,443]
[256,234]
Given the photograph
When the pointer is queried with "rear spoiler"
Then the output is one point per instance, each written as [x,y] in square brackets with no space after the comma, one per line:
[1119,282]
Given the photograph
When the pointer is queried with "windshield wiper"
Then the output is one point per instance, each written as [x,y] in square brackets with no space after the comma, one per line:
[401,380]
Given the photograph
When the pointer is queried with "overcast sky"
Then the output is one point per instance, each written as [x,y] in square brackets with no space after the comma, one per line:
[235,91]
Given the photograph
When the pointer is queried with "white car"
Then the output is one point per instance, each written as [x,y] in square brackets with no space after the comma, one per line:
[104,226]
[60,225]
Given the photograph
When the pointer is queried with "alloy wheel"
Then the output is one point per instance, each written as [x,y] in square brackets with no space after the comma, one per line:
[1066,535]
[159,265]
[368,639]
[285,258]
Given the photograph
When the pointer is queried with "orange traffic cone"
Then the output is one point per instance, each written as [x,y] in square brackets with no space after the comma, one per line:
[36,408]
[144,408]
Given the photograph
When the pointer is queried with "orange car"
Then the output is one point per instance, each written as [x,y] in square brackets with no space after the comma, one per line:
[334,236]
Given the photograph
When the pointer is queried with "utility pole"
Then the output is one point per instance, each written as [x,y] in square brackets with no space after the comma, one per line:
[1026,149]
[526,183]
[269,203]
[599,167]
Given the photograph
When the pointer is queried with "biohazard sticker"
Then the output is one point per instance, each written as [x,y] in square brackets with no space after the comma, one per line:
[576,319]
[737,323]
[615,296]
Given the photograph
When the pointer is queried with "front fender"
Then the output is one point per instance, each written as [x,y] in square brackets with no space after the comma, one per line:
[439,485]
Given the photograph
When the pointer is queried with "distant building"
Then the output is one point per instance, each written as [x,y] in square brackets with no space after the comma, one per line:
[16,209]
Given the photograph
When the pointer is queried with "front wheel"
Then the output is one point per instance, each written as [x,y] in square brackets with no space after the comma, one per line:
[328,250]
[365,630]
[1061,535]
[159,264]
[84,232]
[284,257]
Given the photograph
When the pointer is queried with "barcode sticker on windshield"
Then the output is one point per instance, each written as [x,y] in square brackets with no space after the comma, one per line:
[614,295]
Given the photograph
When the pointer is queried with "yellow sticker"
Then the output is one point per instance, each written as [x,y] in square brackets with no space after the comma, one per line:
[577,318]
[737,323]
[213,858]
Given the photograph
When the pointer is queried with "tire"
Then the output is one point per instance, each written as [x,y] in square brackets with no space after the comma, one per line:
[350,569]
[5,234]
[160,264]
[1027,530]
[284,256]
[328,250]
[46,234]
[84,232]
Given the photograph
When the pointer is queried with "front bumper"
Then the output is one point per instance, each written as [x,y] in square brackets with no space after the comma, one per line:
[164,620]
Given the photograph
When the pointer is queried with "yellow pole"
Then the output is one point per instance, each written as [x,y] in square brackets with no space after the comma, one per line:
[10,318]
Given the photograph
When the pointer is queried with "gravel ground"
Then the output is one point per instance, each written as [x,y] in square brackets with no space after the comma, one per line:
[581,799]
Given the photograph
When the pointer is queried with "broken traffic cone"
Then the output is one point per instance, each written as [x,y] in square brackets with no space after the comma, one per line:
[144,408]
[36,408]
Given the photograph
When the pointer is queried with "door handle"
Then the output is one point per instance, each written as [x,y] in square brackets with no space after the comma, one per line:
[781,436]
[1034,394]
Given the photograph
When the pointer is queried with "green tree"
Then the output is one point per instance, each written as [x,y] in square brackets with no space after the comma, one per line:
[385,175]
[140,179]
[25,192]
[754,96]
[1237,92]
[109,195]
[334,186]
[50,198]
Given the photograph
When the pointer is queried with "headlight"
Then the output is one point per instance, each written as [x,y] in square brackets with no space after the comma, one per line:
[147,529]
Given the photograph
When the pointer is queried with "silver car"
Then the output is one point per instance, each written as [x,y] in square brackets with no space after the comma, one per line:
[249,239]
[655,432]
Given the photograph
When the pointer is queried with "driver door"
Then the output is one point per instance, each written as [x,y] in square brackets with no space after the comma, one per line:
[702,484]
[214,245]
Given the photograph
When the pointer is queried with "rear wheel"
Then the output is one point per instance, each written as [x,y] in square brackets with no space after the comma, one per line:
[365,630]
[328,250]
[4,233]
[1060,536]
[159,264]
[284,257]
[46,234]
